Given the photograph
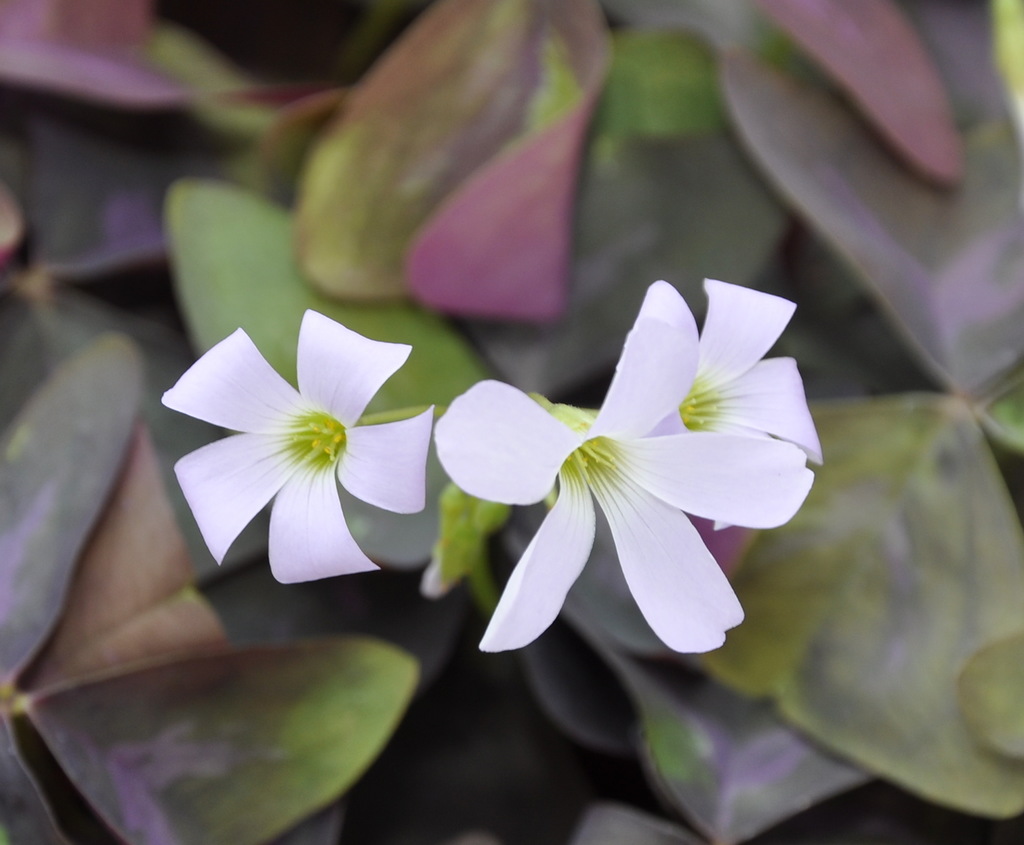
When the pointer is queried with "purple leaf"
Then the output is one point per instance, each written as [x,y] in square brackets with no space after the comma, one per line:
[60,458]
[131,597]
[872,51]
[944,266]
[85,23]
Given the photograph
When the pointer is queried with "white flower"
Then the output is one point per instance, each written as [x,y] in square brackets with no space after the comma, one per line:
[734,390]
[499,444]
[297,445]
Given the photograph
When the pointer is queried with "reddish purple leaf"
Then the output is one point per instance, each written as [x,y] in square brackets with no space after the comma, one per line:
[500,247]
[85,23]
[872,51]
[115,77]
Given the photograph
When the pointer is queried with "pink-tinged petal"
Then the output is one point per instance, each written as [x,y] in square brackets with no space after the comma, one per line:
[386,465]
[770,397]
[340,370]
[227,483]
[748,481]
[663,302]
[233,386]
[550,565]
[308,535]
[680,589]
[498,444]
[740,327]
[652,377]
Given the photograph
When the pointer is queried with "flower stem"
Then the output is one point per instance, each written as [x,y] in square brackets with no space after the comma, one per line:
[483,589]
[399,414]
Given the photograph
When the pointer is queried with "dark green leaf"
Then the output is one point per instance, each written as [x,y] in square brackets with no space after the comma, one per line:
[906,559]
[660,84]
[727,763]
[196,740]
[616,824]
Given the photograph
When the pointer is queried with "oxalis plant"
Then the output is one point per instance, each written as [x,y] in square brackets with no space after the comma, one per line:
[383,463]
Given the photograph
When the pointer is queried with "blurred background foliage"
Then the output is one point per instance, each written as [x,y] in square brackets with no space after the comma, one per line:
[497,182]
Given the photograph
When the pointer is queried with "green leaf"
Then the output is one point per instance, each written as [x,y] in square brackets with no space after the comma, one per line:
[58,461]
[660,84]
[615,824]
[944,266]
[196,740]
[1003,414]
[234,267]
[991,689]
[906,559]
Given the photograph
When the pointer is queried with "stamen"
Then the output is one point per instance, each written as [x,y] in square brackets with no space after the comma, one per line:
[316,440]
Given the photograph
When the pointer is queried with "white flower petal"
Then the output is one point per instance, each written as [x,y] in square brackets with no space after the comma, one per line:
[550,565]
[753,482]
[227,483]
[770,398]
[653,375]
[663,302]
[308,535]
[740,327]
[340,370]
[386,465]
[680,589]
[496,443]
[233,386]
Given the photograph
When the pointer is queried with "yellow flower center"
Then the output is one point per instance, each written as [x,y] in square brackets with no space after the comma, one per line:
[316,440]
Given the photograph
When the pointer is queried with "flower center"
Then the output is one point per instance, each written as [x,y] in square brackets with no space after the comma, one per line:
[699,409]
[593,462]
[316,440]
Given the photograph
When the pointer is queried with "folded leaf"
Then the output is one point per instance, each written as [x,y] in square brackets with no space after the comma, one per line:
[457,154]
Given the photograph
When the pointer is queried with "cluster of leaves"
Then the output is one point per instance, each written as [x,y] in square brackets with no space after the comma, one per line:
[527,167]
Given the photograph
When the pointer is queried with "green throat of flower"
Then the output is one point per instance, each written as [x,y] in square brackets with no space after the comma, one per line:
[593,463]
[700,409]
[316,440]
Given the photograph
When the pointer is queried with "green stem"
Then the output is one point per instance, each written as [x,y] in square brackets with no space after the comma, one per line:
[483,589]
[397,414]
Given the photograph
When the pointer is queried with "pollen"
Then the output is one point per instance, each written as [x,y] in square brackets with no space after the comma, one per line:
[316,440]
